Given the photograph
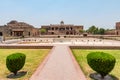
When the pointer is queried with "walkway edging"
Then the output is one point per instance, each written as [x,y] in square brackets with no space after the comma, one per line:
[76,65]
[40,67]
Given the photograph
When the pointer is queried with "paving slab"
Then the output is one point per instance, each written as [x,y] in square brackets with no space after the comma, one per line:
[59,66]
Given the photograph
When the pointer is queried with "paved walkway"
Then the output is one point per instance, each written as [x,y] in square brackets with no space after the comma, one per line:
[59,66]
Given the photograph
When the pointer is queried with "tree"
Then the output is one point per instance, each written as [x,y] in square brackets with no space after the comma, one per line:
[81,31]
[43,31]
[101,31]
[96,30]
[92,30]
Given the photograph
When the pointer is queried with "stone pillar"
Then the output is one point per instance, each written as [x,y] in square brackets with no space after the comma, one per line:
[13,33]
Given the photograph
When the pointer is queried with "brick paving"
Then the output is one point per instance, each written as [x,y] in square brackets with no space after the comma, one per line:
[59,66]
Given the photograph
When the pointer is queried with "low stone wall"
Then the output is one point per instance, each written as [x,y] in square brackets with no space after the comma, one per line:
[25,47]
[50,47]
[77,36]
[95,47]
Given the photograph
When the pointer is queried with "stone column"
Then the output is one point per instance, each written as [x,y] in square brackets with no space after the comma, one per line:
[12,33]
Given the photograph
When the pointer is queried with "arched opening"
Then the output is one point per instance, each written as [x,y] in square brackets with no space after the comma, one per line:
[67,33]
[117,33]
[56,28]
[85,35]
[52,33]
[71,33]
[67,28]
[52,28]
[1,34]
[29,33]
[11,33]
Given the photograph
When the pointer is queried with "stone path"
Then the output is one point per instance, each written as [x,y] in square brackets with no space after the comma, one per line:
[59,66]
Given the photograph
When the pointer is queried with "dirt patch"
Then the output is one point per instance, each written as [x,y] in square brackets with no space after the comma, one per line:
[19,74]
[96,76]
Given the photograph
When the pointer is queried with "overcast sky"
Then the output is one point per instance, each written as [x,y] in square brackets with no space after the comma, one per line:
[101,13]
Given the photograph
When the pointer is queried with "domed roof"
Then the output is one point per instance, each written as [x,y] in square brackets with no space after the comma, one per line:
[12,22]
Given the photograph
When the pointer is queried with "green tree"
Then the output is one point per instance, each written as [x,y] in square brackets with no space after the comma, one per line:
[81,31]
[92,30]
[101,31]
[96,30]
[43,31]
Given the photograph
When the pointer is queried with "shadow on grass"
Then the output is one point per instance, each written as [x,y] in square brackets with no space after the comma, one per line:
[19,74]
[96,76]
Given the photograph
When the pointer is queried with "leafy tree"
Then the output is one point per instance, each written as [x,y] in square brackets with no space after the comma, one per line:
[92,30]
[96,30]
[42,31]
[81,31]
[101,31]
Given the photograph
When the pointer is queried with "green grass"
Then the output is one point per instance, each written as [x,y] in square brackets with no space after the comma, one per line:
[80,55]
[33,58]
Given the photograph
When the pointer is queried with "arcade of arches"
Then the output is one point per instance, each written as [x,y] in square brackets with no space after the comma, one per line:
[62,29]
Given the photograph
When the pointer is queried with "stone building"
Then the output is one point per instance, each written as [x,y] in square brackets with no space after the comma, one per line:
[18,29]
[115,31]
[62,29]
[110,32]
[118,28]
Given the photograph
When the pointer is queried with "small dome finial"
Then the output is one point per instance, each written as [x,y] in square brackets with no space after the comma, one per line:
[62,22]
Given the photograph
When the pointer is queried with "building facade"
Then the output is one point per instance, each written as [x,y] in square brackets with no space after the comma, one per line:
[63,29]
[110,32]
[117,28]
[115,31]
[18,29]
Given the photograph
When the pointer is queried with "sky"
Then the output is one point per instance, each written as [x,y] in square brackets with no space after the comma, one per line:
[101,13]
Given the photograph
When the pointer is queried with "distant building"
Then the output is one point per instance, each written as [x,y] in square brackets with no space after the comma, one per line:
[18,29]
[110,32]
[115,31]
[62,29]
[118,28]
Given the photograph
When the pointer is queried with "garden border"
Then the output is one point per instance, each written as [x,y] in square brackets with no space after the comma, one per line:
[78,68]
[25,47]
[95,47]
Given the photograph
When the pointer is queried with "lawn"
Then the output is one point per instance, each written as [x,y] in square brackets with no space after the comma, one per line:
[33,58]
[80,55]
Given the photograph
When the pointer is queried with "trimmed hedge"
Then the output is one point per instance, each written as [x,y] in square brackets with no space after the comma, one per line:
[15,62]
[101,62]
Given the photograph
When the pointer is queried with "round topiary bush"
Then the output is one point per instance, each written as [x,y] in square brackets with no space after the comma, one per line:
[15,62]
[101,62]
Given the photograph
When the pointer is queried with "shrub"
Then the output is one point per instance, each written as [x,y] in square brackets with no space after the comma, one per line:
[15,62]
[101,62]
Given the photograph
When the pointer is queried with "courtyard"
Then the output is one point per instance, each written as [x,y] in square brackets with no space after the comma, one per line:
[59,40]
[60,64]
[68,41]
